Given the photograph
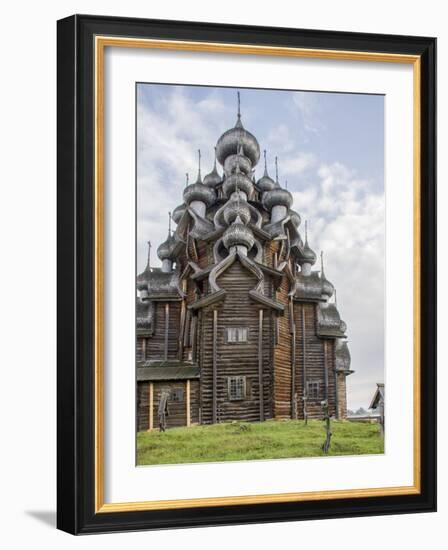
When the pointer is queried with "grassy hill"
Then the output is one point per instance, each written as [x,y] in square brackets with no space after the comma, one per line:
[254,441]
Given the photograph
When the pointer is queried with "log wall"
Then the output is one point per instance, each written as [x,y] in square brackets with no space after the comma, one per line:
[191,337]
[177,411]
[311,366]
[155,345]
[282,357]
[234,359]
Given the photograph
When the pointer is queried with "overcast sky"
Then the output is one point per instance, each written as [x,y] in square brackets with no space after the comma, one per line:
[331,152]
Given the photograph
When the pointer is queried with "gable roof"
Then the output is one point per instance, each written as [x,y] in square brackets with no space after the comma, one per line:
[378,397]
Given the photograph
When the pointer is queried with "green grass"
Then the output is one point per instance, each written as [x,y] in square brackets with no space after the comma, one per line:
[255,441]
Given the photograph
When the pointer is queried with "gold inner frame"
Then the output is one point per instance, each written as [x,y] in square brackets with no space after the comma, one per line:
[101,42]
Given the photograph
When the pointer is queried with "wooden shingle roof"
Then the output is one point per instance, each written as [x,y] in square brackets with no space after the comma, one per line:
[154,371]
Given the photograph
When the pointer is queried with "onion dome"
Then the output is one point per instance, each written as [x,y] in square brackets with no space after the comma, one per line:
[228,144]
[329,321]
[238,234]
[142,278]
[295,218]
[178,212]
[277,197]
[265,183]
[166,249]
[237,209]
[327,287]
[238,162]
[213,179]
[237,181]
[308,255]
[198,191]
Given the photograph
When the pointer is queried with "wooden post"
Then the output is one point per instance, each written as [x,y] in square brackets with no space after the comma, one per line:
[215,367]
[151,406]
[274,330]
[194,331]
[304,391]
[276,323]
[181,331]
[143,349]
[167,322]
[187,330]
[260,363]
[293,376]
[187,391]
[326,370]
[293,360]
[336,394]
[183,315]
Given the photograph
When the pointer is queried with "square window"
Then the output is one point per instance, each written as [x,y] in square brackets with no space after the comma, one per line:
[313,388]
[236,387]
[237,335]
[177,395]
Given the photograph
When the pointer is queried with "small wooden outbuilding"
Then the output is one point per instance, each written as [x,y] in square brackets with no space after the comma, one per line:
[378,404]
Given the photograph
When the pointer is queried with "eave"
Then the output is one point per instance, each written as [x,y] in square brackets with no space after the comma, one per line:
[265,301]
[208,300]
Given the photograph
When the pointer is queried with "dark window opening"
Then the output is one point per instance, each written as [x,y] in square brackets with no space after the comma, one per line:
[177,395]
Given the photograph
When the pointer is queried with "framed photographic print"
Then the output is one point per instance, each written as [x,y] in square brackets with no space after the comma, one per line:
[247,274]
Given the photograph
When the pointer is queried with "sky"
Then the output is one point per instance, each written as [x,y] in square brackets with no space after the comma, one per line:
[330,149]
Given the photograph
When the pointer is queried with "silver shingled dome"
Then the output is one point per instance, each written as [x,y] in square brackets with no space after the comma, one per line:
[238,234]
[266,183]
[277,197]
[237,181]
[237,208]
[237,162]
[308,255]
[199,192]
[166,249]
[327,287]
[213,179]
[230,141]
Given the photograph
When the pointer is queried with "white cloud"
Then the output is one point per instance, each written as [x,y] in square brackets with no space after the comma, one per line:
[169,134]
[347,222]
[296,164]
[306,107]
[279,140]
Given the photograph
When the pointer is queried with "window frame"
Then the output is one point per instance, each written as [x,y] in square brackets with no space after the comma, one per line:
[238,341]
[177,391]
[317,397]
[240,396]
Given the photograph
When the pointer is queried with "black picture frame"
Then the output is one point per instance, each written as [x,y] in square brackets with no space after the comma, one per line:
[76,262]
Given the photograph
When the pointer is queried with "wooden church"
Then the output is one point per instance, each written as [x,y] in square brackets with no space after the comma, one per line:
[236,324]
